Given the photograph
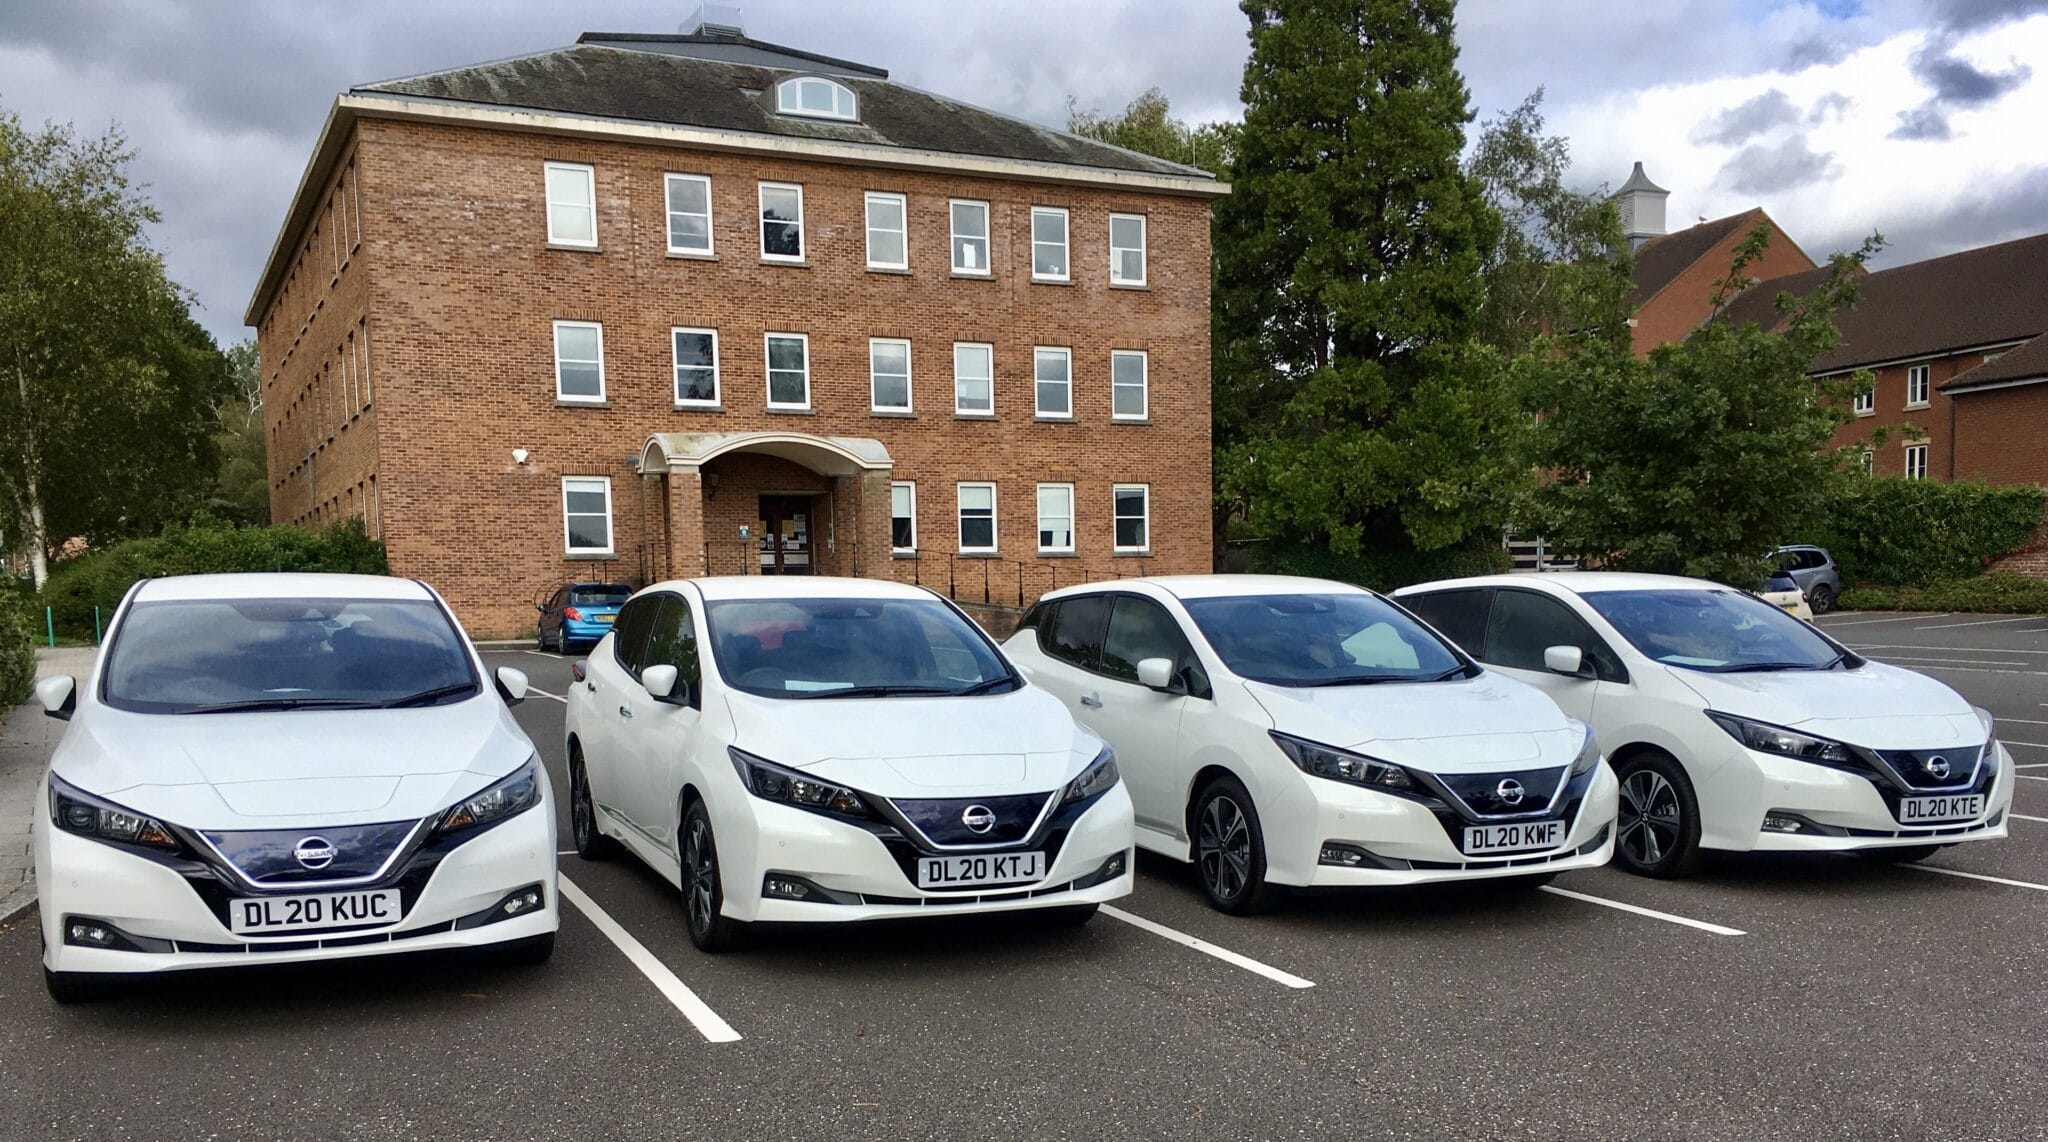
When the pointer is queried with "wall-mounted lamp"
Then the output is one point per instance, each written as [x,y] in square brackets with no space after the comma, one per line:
[519,456]
[710,485]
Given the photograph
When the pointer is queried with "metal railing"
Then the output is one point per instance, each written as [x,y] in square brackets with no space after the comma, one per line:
[994,581]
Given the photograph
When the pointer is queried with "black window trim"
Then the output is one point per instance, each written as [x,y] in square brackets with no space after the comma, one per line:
[1598,675]
[1206,691]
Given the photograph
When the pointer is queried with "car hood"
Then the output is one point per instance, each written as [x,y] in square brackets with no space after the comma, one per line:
[1874,705]
[1020,742]
[279,768]
[1473,725]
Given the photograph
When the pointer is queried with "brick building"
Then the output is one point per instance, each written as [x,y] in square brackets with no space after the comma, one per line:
[649,306]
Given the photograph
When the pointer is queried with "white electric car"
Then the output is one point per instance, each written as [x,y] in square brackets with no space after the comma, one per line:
[814,750]
[1732,724]
[1300,732]
[279,768]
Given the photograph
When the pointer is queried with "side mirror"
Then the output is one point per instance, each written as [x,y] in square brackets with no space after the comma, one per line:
[541,607]
[1157,674]
[664,684]
[511,685]
[579,669]
[59,696]
[1567,660]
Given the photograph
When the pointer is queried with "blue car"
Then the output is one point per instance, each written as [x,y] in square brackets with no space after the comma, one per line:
[580,614]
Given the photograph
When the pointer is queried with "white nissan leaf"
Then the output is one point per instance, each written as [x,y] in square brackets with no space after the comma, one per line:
[815,750]
[281,768]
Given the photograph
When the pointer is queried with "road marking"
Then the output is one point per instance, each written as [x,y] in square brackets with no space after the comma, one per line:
[565,852]
[1652,913]
[2033,765]
[1923,646]
[542,654]
[2030,777]
[1939,666]
[2024,817]
[1893,619]
[698,1012]
[1980,622]
[2029,745]
[1209,949]
[1979,876]
[2025,721]
[1959,661]
[545,694]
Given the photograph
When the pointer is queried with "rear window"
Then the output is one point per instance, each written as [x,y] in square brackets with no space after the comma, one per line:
[599,595]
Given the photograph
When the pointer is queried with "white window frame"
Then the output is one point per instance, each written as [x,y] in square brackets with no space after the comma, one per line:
[1916,452]
[1865,402]
[676,367]
[909,399]
[761,216]
[1144,254]
[1066,243]
[995,534]
[953,236]
[990,352]
[789,99]
[1051,352]
[589,174]
[911,487]
[768,369]
[561,397]
[903,232]
[668,202]
[611,539]
[1114,519]
[1869,461]
[1144,385]
[1039,503]
[1917,377]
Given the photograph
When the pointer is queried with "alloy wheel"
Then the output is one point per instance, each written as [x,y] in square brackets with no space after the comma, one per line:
[582,818]
[1223,847]
[701,863]
[1651,817]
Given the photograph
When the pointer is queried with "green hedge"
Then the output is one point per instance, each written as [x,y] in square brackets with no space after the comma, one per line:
[2001,592]
[1380,570]
[205,545]
[17,648]
[1916,533]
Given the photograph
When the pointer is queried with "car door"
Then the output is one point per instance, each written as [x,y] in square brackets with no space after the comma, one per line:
[1522,623]
[1144,725]
[551,613]
[608,680]
[659,734]
[1069,638]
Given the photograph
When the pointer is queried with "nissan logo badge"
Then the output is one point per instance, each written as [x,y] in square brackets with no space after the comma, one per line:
[1937,767]
[1509,791]
[315,852]
[978,818]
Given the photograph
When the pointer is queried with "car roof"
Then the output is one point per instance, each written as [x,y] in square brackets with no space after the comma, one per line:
[280,585]
[1576,582]
[722,587]
[1215,586]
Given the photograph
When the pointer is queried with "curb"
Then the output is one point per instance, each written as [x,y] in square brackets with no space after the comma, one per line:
[11,910]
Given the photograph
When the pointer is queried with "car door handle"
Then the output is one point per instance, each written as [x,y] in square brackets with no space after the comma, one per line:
[1091,701]
[590,686]
[625,713]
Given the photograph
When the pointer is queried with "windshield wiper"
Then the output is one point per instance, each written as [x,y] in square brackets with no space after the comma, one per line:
[284,704]
[876,692]
[1447,675]
[982,687]
[1357,680]
[1755,667]
[428,697]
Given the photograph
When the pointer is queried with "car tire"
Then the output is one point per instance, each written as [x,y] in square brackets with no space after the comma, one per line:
[1067,915]
[704,888]
[529,951]
[1900,854]
[1666,845]
[1821,599]
[68,987]
[591,844]
[1230,848]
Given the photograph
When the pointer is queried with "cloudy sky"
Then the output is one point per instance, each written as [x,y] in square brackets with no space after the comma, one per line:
[1922,119]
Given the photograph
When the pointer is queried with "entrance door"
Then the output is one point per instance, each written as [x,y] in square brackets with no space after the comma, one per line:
[785,535]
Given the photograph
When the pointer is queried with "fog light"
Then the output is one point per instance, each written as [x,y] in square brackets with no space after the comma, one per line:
[91,934]
[520,902]
[785,889]
[1114,867]
[1343,856]
[1776,824]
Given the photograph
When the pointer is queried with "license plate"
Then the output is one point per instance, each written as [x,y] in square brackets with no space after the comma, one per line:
[1513,838]
[1940,810]
[973,871]
[257,917]
[603,619]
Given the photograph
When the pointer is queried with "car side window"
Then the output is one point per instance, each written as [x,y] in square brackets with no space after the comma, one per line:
[1458,615]
[672,641]
[1140,629]
[1034,619]
[630,636]
[1075,633]
[1522,624]
[555,600]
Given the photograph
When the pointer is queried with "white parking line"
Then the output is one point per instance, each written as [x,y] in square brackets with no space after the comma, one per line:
[2030,777]
[2024,721]
[698,1012]
[1979,876]
[1652,913]
[542,654]
[543,693]
[1939,666]
[2029,745]
[2024,817]
[2033,765]
[1209,949]
[1893,619]
[1960,661]
[1980,622]
[1924,646]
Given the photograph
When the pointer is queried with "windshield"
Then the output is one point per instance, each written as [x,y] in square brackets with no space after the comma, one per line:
[852,648]
[222,655]
[1322,640]
[1714,630]
[600,595]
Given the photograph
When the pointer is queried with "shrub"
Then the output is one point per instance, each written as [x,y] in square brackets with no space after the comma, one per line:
[1380,570]
[2001,592]
[1914,533]
[17,649]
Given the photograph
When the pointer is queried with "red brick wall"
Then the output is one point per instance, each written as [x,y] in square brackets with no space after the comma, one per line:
[2002,434]
[1682,306]
[1997,446]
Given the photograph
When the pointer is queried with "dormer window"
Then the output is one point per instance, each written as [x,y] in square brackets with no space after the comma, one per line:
[815,97]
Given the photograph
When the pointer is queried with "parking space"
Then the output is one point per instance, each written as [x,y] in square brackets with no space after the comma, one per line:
[1768,995]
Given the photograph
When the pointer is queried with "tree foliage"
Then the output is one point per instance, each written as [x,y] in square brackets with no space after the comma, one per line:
[1147,126]
[17,647]
[241,492]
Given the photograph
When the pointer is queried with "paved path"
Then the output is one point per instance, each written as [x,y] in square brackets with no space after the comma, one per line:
[26,740]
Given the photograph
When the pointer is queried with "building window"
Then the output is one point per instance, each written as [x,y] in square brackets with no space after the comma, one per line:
[1916,386]
[974,379]
[970,238]
[903,518]
[1127,249]
[789,371]
[889,374]
[1055,519]
[1049,243]
[1133,504]
[782,222]
[816,98]
[587,514]
[579,361]
[1865,402]
[572,205]
[1869,461]
[1052,372]
[689,214]
[1129,395]
[1916,461]
[696,367]
[888,242]
[977,517]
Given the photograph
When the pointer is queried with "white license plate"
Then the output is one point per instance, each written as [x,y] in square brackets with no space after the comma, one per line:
[1940,810]
[1513,838]
[974,871]
[267,915]
[603,619]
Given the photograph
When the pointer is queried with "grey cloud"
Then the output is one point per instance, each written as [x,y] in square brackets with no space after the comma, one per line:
[1815,51]
[1833,105]
[1747,120]
[2000,212]
[1969,15]
[1766,168]
[1923,123]
[1957,84]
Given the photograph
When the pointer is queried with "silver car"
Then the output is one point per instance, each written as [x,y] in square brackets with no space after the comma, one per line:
[1815,572]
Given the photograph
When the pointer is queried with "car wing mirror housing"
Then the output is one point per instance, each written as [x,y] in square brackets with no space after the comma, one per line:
[59,696]
[579,669]
[664,684]
[1567,660]
[511,685]
[1157,674]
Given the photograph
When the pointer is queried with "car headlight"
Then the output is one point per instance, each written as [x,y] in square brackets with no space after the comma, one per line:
[1589,754]
[1342,765]
[1766,738]
[771,782]
[500,802]
[1100,775]
[1990,733]
[76,811]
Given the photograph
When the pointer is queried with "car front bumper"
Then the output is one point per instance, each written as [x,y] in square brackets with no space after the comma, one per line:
[1845,811]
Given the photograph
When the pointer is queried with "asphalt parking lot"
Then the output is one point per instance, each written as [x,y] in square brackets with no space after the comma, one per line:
[1821,997]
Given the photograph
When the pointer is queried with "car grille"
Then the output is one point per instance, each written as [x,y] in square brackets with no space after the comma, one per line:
[1910,767]
[940,821]
[1479,793]
[265,856]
